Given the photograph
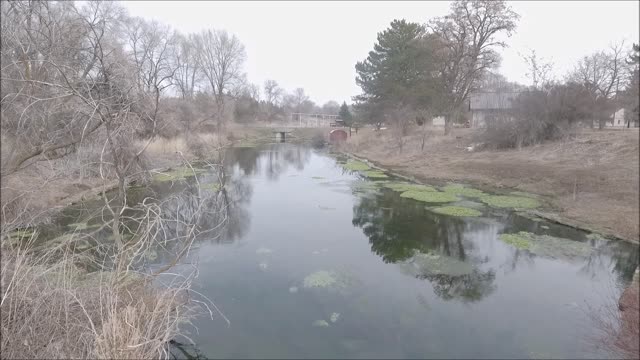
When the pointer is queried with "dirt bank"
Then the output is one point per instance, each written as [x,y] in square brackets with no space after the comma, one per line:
[591,180]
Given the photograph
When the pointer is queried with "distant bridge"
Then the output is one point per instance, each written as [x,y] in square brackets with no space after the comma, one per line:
[313,120]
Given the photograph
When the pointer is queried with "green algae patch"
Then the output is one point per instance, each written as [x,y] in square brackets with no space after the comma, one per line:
[24,233]
[462,190]
[548,246]
[334,317]
[320,323]
[83,226]
[456,211]
[432,264]
[429,196]
[16,237]
[404,186]
[595,236]
[211,186]
[377,174]
[177,174]
[502,201]
[317,177]
[520,240]
[320,279]
[356,165]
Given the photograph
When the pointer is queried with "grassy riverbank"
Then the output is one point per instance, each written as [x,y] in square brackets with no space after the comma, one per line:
[591,181]
[54,303]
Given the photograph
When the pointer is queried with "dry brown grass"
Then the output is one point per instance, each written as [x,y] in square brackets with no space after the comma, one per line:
[618,323]
[52,309]
[180,143]
[591,178]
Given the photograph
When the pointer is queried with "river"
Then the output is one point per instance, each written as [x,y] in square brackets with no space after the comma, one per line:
[316,261]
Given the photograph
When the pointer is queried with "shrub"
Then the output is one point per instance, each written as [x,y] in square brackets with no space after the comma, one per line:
[539,116]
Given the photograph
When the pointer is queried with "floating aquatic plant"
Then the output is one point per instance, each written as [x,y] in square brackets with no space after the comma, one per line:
[83,226]
[377,174]
[356,165]
[151,255]
[334,317]
[432,264]
[177,174]
[462,190]
[326,207]
[317,177]
[548,246]
[595,236]
[456,211]
[320,323]
[24,233]
[320,279]
[520,240]
[264,250]
[211,186]
[502,201]
[429,196]
[404,186]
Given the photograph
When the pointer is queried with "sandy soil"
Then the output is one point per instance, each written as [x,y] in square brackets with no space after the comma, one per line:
[590,181]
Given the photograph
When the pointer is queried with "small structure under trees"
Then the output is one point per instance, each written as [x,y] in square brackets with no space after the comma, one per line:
[488,106]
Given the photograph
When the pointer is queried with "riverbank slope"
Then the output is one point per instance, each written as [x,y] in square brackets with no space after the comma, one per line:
[591,180]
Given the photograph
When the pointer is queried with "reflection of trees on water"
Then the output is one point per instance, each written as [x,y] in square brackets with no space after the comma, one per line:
[619,256]
[469,288]
[279,157]
[273,159]
[398,227]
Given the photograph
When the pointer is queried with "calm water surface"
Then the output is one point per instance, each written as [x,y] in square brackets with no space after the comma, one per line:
[294,212]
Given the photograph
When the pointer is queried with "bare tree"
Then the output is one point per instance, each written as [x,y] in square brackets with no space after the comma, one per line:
[221,57]
[603,74]
[539,69]
[51,56]
[272,97]
[185,61]
[469,37]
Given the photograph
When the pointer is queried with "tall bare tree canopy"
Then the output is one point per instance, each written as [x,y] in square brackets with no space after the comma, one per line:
[470,35]
[604,75]
[221,57]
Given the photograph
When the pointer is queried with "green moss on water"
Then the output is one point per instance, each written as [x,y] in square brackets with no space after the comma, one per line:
[405,186]
[320,323]
[375,174]
[24,233]
[502,201]
[433,264]
[211,186]
[595,236]
[521,240]
[83,226]
[356,165]
[457,211]
[429,196]
[464,191]
[319,279]
[177,174]
[548,246]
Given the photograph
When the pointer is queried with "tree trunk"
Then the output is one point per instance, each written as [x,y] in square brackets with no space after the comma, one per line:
[448,122]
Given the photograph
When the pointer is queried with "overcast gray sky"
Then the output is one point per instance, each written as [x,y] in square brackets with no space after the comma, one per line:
[315,45]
